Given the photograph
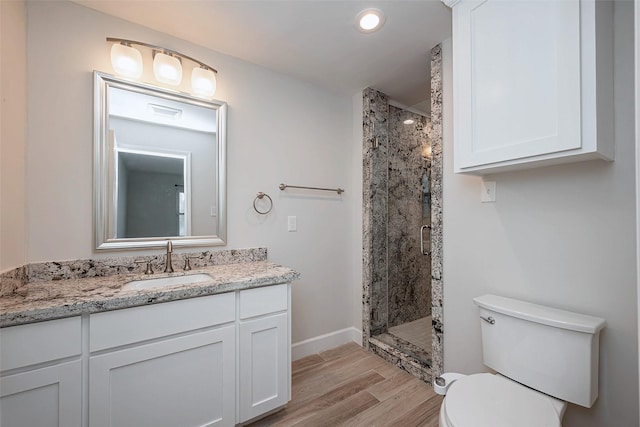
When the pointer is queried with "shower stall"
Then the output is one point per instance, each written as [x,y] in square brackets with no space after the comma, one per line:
[401,191]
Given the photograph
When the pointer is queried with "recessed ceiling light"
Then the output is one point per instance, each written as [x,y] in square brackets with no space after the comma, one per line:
[370,20]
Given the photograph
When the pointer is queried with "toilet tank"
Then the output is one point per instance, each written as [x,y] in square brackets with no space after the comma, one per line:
[550,350]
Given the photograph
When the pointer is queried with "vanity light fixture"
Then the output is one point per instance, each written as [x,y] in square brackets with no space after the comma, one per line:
[203,81]
[167,66]
[126,60]
[370,20]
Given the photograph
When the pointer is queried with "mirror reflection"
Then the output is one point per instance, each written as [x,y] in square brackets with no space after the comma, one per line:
[150,194]
[160,167]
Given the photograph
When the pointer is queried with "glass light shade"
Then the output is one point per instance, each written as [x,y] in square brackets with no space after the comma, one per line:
[167,69]
[203,82]
[126,60]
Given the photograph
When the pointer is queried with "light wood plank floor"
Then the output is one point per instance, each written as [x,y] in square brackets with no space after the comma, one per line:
[348,386]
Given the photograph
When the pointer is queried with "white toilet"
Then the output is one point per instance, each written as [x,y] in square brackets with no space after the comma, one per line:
[543,357]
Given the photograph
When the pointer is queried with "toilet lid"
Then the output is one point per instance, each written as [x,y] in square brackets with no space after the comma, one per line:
[493,401]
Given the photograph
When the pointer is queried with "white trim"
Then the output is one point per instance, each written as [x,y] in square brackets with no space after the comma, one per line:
[451,3]
[325,342]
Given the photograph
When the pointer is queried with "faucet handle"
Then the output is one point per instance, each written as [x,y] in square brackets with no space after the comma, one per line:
[187,263]
[149,270]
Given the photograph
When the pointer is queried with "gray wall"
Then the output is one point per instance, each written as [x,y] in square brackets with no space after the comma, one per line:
[562,236]
[152,204]
[13,134]
[123,192]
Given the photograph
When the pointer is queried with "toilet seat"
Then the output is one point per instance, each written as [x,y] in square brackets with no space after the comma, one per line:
[494,401]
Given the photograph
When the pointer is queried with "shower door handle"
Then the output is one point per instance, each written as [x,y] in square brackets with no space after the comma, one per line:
[428,227]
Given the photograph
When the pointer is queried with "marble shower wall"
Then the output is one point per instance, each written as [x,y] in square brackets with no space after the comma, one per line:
[374,227]
[408,209]
[396,275]
[435,136]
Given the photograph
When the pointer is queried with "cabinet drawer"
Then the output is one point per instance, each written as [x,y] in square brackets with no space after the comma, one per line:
[33,343]
[131,325]
[259,301]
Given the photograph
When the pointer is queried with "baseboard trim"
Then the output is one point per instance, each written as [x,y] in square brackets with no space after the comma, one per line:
[325,342]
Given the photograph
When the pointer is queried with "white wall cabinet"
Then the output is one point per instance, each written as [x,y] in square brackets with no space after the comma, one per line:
[532,82]
[39,385]
[210,361]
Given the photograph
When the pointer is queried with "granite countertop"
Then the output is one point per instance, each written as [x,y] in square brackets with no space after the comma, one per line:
[39,301]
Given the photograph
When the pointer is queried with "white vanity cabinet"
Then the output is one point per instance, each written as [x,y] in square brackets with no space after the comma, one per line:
[532,83]
[168,364]
[40,374]
[265,350]
[216,360]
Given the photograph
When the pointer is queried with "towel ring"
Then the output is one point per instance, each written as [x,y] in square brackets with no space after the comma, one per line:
[260,196]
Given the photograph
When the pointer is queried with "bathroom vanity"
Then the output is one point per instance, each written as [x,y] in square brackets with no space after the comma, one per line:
[213,353]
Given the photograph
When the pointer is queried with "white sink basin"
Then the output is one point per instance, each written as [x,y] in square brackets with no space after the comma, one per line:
[167,281]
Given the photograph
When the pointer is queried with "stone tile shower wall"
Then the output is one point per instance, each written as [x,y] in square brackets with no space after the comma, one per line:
[435,136]
[408,209]
[374,199]
[376,307]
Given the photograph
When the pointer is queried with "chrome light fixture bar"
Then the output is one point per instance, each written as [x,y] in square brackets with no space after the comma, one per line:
[167,66]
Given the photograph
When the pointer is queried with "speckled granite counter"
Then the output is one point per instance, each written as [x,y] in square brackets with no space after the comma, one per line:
[46,300]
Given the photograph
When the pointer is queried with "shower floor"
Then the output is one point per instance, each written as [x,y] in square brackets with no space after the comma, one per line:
[411,338]
[417,332]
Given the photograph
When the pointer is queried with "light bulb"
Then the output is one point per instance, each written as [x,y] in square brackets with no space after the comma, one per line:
[203,82]
[370,20]
[126,60]
[167,69]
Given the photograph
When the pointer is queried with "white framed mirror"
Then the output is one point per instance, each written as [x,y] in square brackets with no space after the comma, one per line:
[159,167]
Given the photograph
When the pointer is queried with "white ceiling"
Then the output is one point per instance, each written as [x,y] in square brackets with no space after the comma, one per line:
[313,40]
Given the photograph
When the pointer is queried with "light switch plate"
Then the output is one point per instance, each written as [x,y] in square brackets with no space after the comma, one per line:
[487,191]
[292,223]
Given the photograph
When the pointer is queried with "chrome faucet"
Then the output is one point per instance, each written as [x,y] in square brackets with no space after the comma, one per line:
[168,267]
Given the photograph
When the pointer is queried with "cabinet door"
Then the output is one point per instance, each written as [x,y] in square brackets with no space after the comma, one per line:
[45,397]
[184,381]
[517,85]
[265,368]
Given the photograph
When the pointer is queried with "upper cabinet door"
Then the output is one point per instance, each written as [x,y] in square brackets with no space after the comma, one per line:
[525,81]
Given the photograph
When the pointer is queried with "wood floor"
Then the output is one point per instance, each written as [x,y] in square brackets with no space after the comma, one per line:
[348,386]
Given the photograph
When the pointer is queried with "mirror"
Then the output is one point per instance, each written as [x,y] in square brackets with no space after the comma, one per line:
[159,166]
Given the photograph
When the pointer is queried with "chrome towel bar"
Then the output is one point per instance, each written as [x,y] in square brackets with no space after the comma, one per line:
[285,186]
